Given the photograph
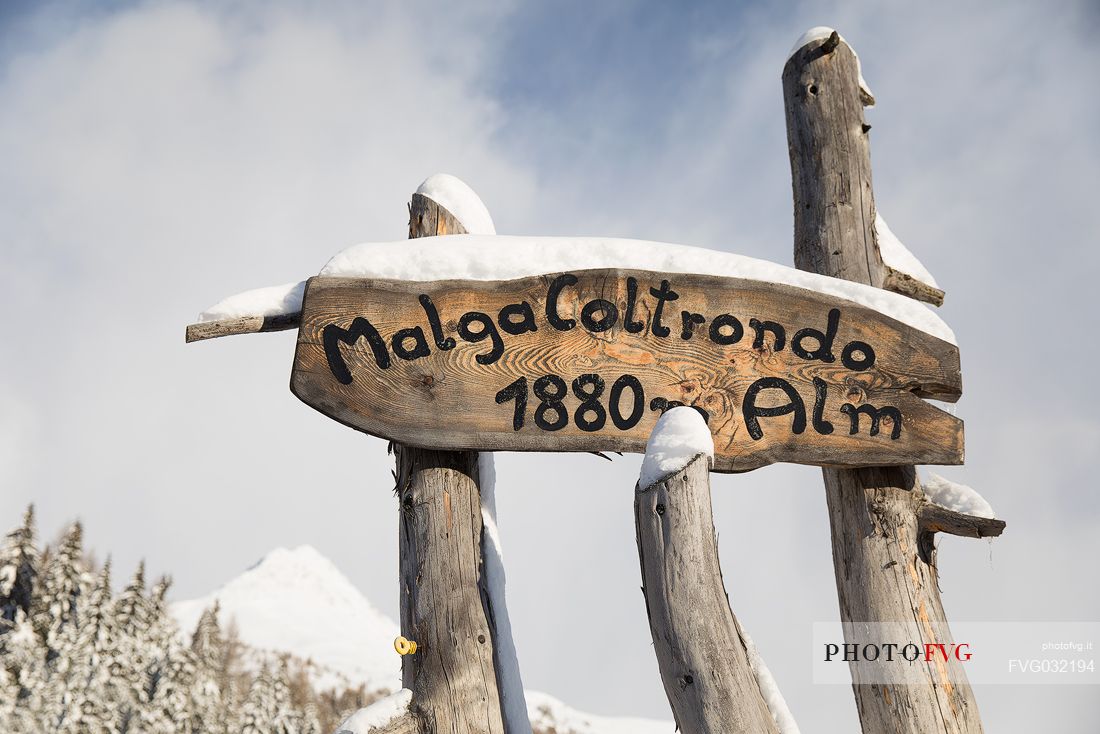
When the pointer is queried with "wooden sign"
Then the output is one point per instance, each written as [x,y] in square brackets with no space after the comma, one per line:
[588,360]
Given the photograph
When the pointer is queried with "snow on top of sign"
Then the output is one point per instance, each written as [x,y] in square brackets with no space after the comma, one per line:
[897,256]
[378,714]
[274,300]
[504,257]
[468,257]
[957,497]
[511,682]
[821,32]
[769,689]
[452,193]
[680,435]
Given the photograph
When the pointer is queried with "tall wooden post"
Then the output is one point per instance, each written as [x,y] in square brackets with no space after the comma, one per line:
[878,517]
[444,607]
[702,656]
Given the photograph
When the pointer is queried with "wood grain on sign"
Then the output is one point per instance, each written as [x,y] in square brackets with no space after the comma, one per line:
[587,361]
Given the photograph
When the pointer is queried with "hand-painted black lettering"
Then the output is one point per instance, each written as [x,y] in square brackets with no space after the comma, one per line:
[420,344]
[516,391]
[588,388]
[609,315]
[690,321]
[550,389]
[488,329]
[632,326]
[332,336]
[824,349]
[637,407]
[848,359]
[507,318]
[876,414]
[433,321]
[723,321]
[665,293]
[777,330]
[752,412]
[661,405]
[559,283]
[821,391]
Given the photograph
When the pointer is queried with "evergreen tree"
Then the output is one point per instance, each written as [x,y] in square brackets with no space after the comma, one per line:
[132,608]
[259,710]
[170,672]
[132,612]
[94,656]
[25,661]
[208,647]
[18,570]
[285,718]
[63,584]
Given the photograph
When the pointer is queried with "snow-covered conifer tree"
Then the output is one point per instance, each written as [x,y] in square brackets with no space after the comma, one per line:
[56,606]
[64,582]
[259,710]
[286,719]
[18,570]
[169,672]
[90,686]
[25,661]
[208,647]
[132,611]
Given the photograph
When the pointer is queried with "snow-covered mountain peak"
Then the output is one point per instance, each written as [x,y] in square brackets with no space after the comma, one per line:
[297,601]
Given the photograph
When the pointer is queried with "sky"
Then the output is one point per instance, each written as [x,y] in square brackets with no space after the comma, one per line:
[157,157]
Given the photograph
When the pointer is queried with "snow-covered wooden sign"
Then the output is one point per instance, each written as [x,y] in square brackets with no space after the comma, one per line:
[587,360]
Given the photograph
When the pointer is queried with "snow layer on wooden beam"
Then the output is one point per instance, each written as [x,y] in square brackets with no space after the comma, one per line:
[769,689]
[274,300]
[897,256]
[957,497]
[513,704]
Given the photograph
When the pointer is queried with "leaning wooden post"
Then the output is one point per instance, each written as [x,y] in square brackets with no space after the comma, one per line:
[880,519]
[452,675]
[701,654]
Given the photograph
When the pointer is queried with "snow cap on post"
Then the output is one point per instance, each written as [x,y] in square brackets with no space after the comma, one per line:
[680,435]
[817,33]
[452,193]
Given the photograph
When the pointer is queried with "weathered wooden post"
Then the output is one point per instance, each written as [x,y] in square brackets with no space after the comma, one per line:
[444,605]
[880,520]
[701,654]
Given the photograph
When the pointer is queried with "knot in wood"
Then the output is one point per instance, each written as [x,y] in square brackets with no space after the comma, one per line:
[660,508]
